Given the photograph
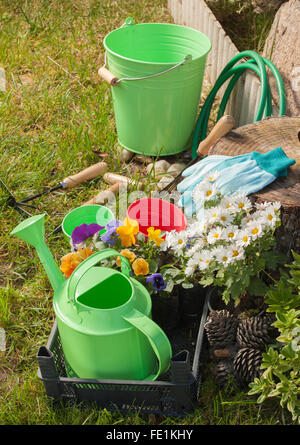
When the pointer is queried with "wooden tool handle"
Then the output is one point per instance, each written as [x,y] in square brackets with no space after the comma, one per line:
[108,76]
[104,195]
[112,178]
[89,173]
[222,127]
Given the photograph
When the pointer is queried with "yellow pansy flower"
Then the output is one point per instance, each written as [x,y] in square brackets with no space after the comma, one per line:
[140,267]
[127,254]
[70,261]
[128,231]
[154,235]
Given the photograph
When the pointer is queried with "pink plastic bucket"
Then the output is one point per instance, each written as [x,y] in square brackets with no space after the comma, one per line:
[157,213]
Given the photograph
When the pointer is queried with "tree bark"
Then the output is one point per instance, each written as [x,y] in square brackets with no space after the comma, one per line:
[282,47]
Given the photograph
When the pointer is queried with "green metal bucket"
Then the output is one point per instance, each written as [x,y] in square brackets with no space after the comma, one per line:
[156,71]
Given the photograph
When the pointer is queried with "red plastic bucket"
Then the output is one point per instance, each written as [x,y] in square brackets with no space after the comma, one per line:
[157,213]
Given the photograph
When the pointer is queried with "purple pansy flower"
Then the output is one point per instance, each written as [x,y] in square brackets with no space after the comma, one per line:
[110,236]
[157,281]
[83,232]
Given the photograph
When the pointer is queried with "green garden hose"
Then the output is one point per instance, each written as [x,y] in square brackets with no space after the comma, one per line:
[255,63]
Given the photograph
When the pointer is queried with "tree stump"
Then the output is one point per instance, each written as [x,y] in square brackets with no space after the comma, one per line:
[263,136]
[282,47]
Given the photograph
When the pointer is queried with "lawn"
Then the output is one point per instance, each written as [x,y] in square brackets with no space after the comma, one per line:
[54,113]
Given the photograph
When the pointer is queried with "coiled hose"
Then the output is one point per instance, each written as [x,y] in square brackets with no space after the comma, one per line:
[255,63]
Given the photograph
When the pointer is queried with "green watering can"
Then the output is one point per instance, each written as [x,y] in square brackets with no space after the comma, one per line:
[103,316]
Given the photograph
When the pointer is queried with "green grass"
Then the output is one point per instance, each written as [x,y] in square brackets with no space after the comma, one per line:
[53,115]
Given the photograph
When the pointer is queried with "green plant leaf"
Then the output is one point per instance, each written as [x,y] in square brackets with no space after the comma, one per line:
[257,287]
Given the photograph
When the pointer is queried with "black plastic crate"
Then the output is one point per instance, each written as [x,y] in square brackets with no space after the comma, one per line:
[174,394]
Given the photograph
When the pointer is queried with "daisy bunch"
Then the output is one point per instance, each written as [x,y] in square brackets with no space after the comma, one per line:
[230,242]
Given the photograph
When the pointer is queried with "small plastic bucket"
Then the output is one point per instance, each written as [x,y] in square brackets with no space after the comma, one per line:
[86,215]
[156,72]
[157,213]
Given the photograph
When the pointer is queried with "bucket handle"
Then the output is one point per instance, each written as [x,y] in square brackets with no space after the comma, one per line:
[156,337]
[91,261]
[114,81]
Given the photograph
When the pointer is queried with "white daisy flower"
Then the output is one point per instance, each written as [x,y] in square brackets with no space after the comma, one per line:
[229,233]
[236,253]
[205,260]
[261,205]
[248,219]
[215,235]
[255,229]
[243,238]
[227,202]
[264,205]
[212,176]
[179,242]
[241,202]
[269,216]
[276,205]
[197,229]
[212,215]
[204,191]
[200,259]
[222,255]
[225,217]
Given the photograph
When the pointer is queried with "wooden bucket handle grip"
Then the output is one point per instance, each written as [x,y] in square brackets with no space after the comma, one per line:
[108,76]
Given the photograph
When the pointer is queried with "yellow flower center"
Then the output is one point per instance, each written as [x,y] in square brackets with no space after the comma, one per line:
[180,241]
[208,193]
[230,235]
[270,217]
[240,205]
[223,218]
[255,231]
[245,238]
[235,253]
[216,235]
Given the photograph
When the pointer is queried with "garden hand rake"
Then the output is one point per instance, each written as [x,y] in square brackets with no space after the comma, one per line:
[71,181]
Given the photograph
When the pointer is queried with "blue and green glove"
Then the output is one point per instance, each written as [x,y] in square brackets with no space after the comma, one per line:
[246,173]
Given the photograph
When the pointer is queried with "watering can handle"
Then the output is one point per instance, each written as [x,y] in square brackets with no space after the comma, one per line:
[157,339]
[90,262]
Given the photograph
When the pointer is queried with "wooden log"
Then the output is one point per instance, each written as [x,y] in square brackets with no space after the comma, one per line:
[282,47]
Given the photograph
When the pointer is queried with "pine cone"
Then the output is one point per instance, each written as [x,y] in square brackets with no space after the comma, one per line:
[256,332]
[224,373]
[221,328]
[246,365]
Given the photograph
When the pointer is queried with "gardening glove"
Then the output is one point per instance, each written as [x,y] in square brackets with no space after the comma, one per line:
[247,174]
[194,176]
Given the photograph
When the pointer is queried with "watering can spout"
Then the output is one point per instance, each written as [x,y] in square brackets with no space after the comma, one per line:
[32,230]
